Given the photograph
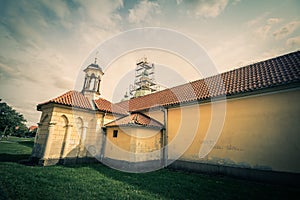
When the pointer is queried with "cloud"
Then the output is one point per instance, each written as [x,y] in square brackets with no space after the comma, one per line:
[263,31]
[59,8]
[271,21]
[178,2]
[101,13]
[293,42]
[209,8]
[7,71]
[258,20]
[203,8]
[235,2]
[63,83]
[24,23]
[143,11]
[286,29]
[43,44]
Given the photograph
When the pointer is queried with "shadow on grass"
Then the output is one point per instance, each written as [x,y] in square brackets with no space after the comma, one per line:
[4,157]
[23,159]
[167,183]
[26,143]
[172,184]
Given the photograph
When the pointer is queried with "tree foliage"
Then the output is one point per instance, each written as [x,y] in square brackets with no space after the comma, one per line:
[11,122]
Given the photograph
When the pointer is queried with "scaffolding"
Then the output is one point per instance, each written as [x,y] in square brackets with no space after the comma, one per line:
[144,82]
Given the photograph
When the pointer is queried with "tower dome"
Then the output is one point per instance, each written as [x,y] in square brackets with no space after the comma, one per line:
[93,76]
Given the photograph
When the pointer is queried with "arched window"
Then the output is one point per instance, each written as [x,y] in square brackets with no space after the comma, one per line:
[79,130]
[79,125]
[62,126]
[92,82]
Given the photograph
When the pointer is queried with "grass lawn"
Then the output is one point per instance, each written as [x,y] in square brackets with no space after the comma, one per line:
[95,181]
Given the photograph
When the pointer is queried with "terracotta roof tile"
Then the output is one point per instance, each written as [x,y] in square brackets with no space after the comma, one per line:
[282,70]
[107,106]
[70,98]
[136,119]
[77,99]
[31,128]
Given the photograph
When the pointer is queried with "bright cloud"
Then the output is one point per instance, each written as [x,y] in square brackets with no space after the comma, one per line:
[209,8]
[293,42]
[286,29]
[263,31]
[204,8]
[143,11]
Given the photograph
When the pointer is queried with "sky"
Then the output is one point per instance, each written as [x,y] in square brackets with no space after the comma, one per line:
[44,45]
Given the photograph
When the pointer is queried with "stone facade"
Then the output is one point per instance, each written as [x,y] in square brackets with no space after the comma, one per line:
[67,133]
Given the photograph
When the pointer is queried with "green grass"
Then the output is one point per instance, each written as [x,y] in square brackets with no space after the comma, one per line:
[95,181]
[15,149]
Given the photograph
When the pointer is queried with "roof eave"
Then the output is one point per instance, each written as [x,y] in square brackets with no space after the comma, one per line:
[39,106]
[135,126]
[227,96]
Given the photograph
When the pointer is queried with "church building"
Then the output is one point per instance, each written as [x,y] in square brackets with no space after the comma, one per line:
[257,109]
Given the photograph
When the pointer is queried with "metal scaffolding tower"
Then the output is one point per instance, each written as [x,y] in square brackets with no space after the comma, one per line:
[144,82]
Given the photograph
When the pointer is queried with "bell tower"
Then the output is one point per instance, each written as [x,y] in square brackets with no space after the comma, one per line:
[93,76]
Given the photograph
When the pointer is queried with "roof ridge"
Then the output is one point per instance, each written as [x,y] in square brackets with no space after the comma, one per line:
[107,106]
[147,116]
[70,98]
[255,63]
[280,70]
[135,118]
[283,69]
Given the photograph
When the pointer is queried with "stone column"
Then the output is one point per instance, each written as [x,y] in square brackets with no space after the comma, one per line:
[36,138]
[95,84]
[98,88]
[98,136]
[47,151]
[36,150]
[82,152]
[103,145]
[88,82]
[84,84]
[66,140]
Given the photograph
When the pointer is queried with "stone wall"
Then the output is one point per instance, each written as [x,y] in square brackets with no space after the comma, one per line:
[66,132]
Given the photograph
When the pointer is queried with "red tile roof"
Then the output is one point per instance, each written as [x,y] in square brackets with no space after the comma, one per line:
[282,70]
[77,99]
[70,98]
[107,106]
[31,128]
[279,71]
[136,119]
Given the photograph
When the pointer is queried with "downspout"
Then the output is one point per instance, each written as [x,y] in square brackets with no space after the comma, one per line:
[102,122]
[103,131]
[165,138]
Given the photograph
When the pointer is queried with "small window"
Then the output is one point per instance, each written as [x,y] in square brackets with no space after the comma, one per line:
[115,133]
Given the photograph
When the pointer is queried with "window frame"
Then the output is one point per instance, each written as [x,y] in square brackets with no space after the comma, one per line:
[115,133]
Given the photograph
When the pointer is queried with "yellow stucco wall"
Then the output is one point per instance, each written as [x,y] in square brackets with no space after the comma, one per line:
[259,132]
[133,144]
[158,115]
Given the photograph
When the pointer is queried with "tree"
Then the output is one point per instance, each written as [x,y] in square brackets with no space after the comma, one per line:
[11,122]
